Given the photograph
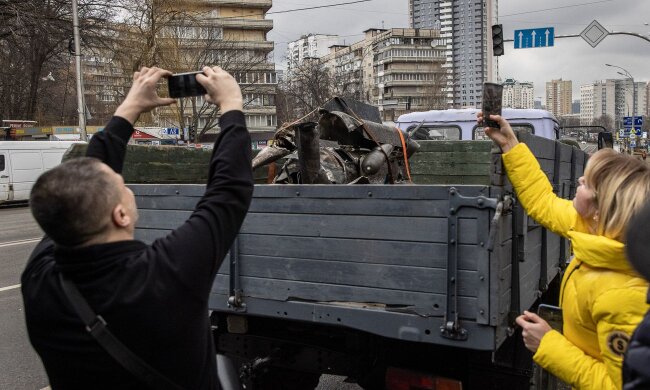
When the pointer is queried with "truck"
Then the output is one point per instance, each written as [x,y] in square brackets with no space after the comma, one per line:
[409,286]
[22,162]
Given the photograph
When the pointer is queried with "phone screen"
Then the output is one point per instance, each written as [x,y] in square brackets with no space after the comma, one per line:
[492,102]
[185,85]
[552,315]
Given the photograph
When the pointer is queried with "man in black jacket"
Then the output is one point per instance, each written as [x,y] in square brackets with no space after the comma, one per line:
[153,297]
[636,364]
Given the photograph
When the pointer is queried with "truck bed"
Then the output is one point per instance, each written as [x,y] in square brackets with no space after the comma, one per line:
[393,261]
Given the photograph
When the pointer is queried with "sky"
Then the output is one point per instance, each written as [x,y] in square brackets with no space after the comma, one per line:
[570,59]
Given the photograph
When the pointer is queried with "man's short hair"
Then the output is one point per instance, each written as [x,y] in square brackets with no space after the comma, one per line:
[73,202]
[638,245]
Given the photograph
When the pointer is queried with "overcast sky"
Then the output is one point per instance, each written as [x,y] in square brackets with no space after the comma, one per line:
[571,58]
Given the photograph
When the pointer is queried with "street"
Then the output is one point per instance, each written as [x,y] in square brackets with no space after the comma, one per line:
[21,367]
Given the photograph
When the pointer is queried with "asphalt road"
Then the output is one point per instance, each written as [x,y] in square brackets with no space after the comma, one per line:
[20,367]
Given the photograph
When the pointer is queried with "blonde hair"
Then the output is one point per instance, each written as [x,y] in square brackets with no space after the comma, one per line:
[621,185]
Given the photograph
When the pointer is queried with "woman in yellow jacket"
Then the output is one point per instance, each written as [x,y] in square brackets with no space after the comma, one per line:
[602,298]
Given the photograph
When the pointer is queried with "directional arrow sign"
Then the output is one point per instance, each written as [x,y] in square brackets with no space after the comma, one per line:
[534,37]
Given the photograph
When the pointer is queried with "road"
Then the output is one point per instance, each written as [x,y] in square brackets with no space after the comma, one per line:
[21,367]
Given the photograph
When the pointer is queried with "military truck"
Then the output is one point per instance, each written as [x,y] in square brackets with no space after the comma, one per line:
[411,286]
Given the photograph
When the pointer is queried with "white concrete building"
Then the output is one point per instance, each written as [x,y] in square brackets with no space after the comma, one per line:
[308,46]
[518,94]
[614,98]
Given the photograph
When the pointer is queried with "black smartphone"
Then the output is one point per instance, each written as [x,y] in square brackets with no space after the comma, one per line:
[185,85]
[551,314]
[492,102]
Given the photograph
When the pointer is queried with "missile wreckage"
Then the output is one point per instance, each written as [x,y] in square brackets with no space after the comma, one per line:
[347,145]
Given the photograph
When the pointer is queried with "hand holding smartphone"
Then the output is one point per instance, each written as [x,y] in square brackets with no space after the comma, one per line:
[492,103]
[185,85]
[552,315]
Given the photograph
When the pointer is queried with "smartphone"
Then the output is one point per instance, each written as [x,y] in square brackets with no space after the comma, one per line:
[185,85]
[551,314]
[492,102]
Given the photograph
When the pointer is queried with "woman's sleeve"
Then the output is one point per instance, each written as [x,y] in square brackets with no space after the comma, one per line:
[535,192]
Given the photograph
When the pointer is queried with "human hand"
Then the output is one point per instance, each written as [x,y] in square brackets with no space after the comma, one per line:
[142,96]
[504,137]
[222,89]
[534,327]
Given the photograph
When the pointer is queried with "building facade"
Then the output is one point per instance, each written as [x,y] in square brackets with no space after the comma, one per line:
[308,46]
[465,24]
[559,96]
[614,98]
[399,70]
[229,34]
[518,94]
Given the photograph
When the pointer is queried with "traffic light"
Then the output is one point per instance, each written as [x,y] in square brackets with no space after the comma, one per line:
[192,134]
[497,40]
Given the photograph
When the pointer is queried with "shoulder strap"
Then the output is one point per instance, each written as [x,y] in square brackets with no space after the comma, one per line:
[97,327]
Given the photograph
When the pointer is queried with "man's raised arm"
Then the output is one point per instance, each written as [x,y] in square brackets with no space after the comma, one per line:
[109,145]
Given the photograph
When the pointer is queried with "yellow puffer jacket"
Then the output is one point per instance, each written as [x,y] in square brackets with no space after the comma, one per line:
[602,298]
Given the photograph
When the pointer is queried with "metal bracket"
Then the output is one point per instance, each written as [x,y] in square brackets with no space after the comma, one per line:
[235,300]
[451,328]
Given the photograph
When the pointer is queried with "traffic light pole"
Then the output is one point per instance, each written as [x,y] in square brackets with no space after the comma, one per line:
[490,53]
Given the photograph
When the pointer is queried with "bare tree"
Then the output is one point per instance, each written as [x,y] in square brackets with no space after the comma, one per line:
[605,121]
[309,86]
[35,36]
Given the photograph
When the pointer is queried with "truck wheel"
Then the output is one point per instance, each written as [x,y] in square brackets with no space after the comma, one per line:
[274,378]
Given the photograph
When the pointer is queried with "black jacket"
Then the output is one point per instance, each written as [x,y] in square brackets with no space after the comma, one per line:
[153,297]
[636,365]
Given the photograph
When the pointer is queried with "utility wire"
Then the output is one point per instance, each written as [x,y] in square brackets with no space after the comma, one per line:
[316,7]
[554,8]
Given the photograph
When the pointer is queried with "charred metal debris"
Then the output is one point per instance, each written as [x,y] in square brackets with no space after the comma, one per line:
[348,145]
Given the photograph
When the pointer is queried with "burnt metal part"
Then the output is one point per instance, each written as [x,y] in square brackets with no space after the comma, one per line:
[309,155]
[451,328]
[362,110]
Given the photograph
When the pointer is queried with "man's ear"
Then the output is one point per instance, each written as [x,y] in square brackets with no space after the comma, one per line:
[120,217]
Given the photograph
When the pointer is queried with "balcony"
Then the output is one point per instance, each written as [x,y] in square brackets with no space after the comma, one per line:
[264,4]
[246,24]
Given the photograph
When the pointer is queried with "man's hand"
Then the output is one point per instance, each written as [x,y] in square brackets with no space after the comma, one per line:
[534,327]
[222,89]
[142,96]
[504,137]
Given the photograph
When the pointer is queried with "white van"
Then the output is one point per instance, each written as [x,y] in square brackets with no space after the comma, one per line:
[461,124]
[22,162]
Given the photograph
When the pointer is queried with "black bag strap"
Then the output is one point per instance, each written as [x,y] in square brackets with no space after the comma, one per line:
[97,327]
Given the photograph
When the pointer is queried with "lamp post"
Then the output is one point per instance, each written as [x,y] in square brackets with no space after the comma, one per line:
[628,75]
[77,53]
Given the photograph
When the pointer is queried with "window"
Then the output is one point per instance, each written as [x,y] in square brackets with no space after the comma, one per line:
[435,133]
[2,162]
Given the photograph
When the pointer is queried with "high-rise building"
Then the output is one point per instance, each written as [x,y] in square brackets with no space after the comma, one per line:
[559,96]
[308,46]
[399,70]
[518,94]
[465,23]
[614,98]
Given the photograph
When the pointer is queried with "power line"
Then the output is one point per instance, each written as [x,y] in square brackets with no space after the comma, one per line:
[316,7]
[554,8]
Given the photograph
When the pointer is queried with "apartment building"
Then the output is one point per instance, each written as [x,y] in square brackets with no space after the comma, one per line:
[308,46]
[230,34]
[518,94]
[614,98]
[465,25]
[559,96]
[399,70]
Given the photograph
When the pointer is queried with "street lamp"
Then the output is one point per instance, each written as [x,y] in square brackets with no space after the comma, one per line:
[628,75]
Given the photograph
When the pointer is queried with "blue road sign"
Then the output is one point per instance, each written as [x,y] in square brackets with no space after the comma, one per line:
[638,121]
[534,37]
[627,121]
